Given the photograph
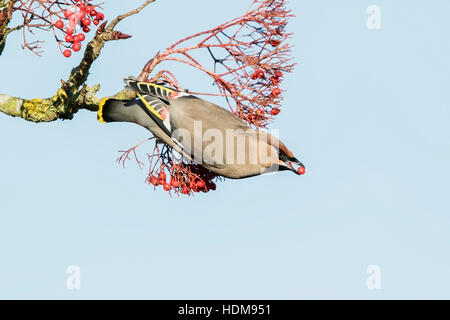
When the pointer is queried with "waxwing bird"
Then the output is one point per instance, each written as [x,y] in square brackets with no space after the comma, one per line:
[200,131]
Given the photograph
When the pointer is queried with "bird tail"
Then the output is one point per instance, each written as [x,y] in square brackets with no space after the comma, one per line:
[115,110]
[138,111]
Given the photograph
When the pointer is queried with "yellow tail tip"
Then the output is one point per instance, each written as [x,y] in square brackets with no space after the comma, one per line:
[100,110]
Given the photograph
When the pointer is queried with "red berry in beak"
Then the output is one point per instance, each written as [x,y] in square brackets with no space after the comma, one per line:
[301,170]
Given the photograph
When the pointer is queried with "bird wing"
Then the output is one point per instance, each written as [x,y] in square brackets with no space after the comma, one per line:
[147,88]
[188,112]
[155,98]
[188,108]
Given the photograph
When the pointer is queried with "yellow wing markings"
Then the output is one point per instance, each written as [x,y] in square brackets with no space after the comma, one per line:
[149,107]
[163,91]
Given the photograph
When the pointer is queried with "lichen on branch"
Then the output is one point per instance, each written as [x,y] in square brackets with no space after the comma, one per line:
[49,109]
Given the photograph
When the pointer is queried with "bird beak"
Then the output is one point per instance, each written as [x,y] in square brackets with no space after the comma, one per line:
[289,166]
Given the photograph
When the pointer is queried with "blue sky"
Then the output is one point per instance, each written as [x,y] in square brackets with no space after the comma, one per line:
[366,111]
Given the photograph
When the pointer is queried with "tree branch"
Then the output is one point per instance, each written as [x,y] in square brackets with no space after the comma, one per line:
[6,9]
[113,23]
[70,98]
[53,108]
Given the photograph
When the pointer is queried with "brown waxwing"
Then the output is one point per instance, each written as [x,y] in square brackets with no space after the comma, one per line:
[200,131]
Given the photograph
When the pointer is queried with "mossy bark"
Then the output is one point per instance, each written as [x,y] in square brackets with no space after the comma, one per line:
[39,109]
[54,108]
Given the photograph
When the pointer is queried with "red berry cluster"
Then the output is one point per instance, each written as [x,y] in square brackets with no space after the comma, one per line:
[183,178]
[251,55]
[270,78]
[80,15]
[274,80]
